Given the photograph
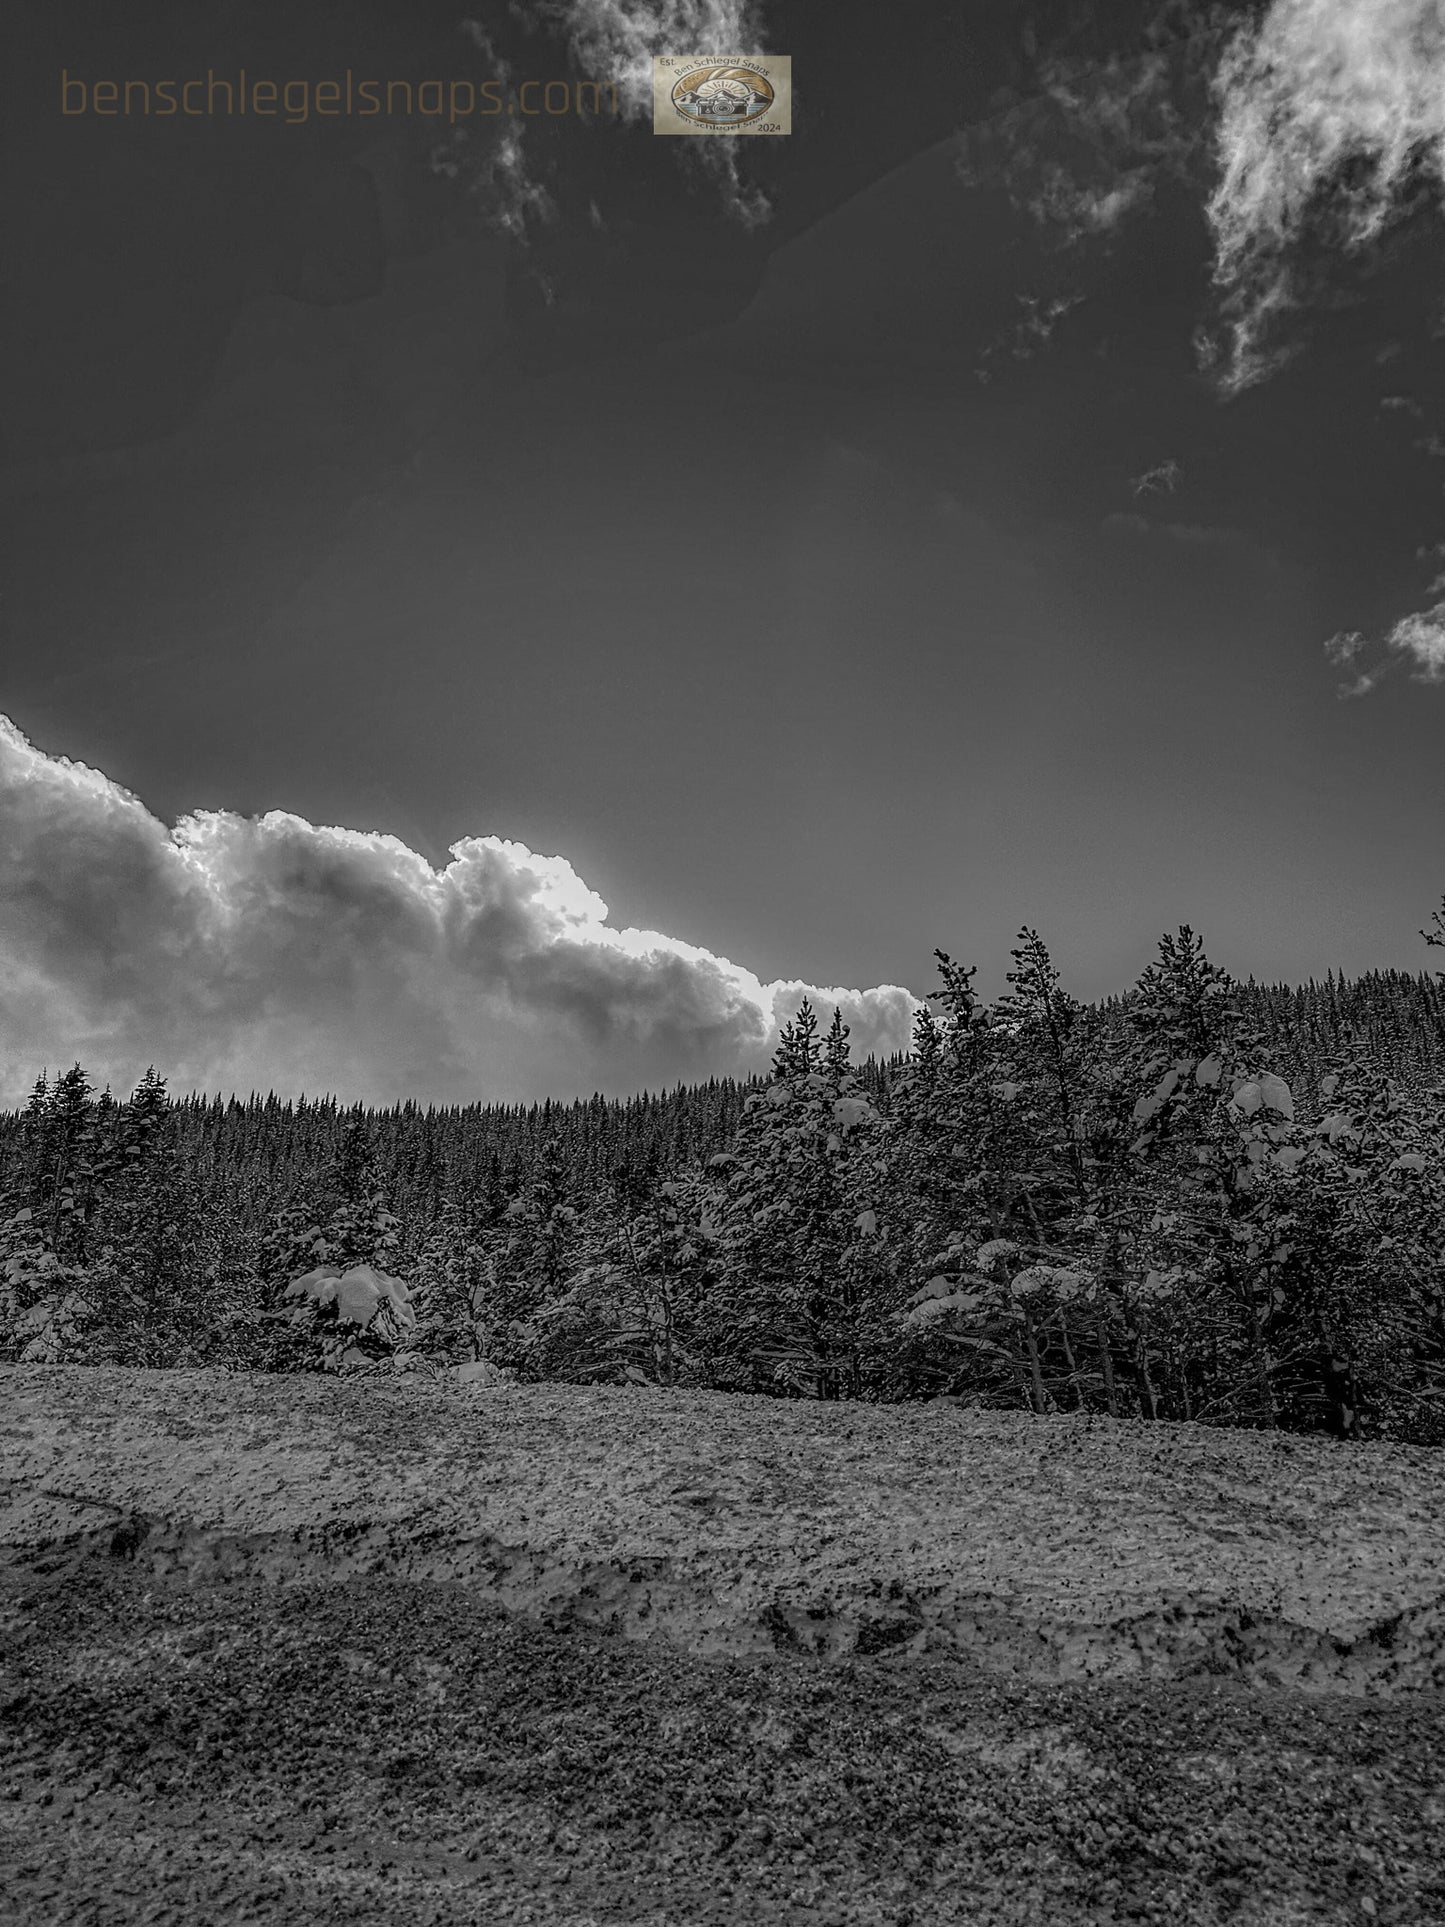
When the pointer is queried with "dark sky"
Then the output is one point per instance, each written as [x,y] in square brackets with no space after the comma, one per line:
[1014,497]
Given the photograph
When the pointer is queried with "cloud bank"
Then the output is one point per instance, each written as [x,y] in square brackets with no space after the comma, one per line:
[240,953]
[1329,112]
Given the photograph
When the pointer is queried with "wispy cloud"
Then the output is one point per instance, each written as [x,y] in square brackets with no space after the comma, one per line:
[240,952]
[1432,444]
[1041,316]
[1326,108]
[1082,154]
[613,43]
[1163,476]
[1197,534]
[498,179]
[616,39]
[1416,640]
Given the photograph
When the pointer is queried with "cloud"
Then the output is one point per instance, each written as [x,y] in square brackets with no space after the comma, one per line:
[1084,152]
[1417,639]
[1431,444]
[1098,209]
[1031,334]
[613,42]
[1164,476]
[499,181]
[263,952]
[1200,534]
[1035,327]
[1328,111]
[1073,210]
[1080,156]
[616,39]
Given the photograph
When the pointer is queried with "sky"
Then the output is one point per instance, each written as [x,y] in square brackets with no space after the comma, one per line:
[507,608]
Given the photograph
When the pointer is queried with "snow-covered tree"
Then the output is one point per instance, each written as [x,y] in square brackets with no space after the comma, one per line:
[328,1262]
[811,1278]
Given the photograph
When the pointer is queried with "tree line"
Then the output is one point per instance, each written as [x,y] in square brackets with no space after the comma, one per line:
[1203,1200]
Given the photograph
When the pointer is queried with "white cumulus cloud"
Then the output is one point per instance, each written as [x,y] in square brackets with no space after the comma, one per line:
[240,952]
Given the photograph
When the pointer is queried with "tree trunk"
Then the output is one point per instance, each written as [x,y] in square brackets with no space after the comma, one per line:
[1036,1375]
[1342,1391]
[1106,1362]
[1264,1355]
[1073,1366]
[1141,1361]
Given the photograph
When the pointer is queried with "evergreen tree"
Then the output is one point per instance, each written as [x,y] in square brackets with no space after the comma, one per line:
[169,1281]
[329,1271]
[1203,1199]
[809,1285]
[464,1312]
[1215,1126]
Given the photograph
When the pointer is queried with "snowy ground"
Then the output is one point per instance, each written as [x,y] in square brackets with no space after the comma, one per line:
[342,1651]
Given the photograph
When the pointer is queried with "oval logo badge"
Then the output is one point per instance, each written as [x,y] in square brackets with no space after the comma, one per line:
[722,96]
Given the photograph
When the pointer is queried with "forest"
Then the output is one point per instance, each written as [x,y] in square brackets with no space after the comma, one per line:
[1205,1200]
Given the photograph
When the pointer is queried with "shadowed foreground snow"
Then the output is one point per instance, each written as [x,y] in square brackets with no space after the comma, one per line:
[304,1650]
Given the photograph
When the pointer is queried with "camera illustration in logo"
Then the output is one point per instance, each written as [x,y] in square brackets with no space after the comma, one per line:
[722,96]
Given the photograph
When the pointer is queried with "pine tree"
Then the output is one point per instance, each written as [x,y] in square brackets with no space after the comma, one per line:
[464,1312]
[1218,1118]
[807,1283]
[68,1184]
[330,1271]
[169,1281]
[46,1309]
